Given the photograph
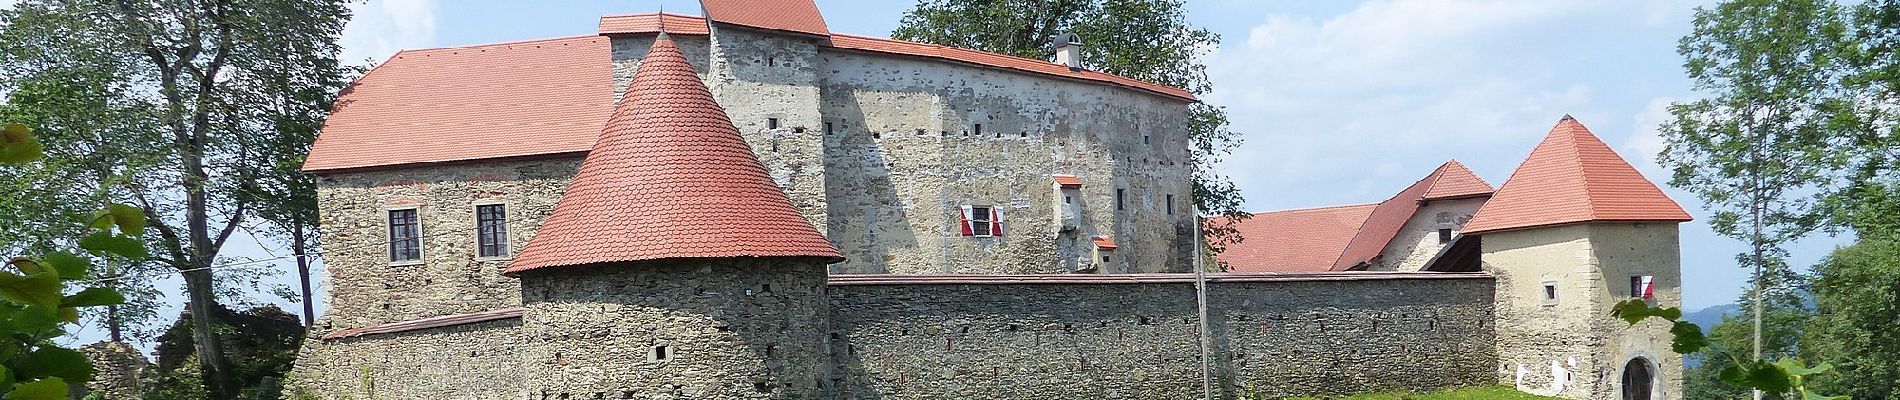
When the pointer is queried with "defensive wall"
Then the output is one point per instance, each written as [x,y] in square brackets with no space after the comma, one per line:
[1129,336]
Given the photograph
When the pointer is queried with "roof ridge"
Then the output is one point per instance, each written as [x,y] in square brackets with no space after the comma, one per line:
[1583,173]
[1316,208]
[495,44]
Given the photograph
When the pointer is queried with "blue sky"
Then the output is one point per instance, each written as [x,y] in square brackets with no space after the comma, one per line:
[1340,102]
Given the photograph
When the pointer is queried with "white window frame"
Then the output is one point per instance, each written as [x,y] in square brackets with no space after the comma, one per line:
[982,219]
[508,240]
[421,245]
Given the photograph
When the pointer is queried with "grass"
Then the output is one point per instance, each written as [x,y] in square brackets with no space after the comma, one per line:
[1470,393]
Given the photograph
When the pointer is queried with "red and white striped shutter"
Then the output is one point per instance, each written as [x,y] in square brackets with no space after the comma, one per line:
[963,220]
[1649,287]
[996,221]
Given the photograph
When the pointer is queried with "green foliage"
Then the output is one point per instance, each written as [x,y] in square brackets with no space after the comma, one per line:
[1786,377]
[1149,40]
[1855,295]
[34,309]
[262,343]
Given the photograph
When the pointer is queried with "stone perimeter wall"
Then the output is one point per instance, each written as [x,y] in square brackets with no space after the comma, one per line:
[476,361]
[1137,340]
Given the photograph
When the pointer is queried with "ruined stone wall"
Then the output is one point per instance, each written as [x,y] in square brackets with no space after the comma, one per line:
[1137,340]
[473,361]
[732,329]
[906,153]
[366,288]
[1572,347]
[1417,241]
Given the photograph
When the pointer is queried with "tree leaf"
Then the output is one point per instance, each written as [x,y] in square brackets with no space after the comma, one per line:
[131,220]
[44,389]
[17,145]
[1688,339]
[58,362]
[92,297]
[69,265]
[106,242]
[1797,368]
[40,289]
[1631,311]
[1769,377]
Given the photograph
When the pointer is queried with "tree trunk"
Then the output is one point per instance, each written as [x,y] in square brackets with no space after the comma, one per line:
[198,278]
[297,243]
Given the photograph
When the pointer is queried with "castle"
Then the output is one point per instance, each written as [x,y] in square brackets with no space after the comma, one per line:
[768,209]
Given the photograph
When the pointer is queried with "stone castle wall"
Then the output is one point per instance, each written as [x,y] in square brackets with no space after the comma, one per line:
[476,361]
[1571,346]
[1137,340]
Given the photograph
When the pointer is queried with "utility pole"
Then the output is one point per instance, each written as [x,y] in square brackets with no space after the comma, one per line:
[1200,294]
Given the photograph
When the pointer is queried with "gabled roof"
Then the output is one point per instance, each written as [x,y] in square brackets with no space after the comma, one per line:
[1573,177]
[1105,243]
[1309,239]
[673,24]
[670,178]
[1067,181]
[797,16]
[501,100]
[1391,214]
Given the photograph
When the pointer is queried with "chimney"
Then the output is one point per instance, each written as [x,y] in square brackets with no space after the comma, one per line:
[1069,51]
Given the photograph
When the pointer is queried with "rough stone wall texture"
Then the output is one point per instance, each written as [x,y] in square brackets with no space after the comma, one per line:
[1137,341]
[367,289]
[1572,347]
[120,372]
[732,329]
[473,361]
[907,153]
[1417,241]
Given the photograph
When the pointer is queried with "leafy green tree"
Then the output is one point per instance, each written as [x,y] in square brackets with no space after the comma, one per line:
[1759,147]
[34,306]
[1782,319]
[1855,293]
[214,81]
[1149,40]
[1786,378]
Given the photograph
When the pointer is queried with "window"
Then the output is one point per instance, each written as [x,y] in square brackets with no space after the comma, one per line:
[771,123]
[979,129]
[827,128]
[491,225]
[1170,204]
[1550,293]
[1120,195]
[1067,199]
[981,221]
[1104,258]
[660,353]
[1642,286]
[1444,235]
[1144,140]
[405,236]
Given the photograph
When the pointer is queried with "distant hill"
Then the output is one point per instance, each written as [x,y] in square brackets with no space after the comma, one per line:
[1707,318]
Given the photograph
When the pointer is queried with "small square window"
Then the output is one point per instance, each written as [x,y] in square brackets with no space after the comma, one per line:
[660,353]
[1444,235]
[1068,199]
[1550,293]
[1642,286]
[1104,258]
[980,221]
[771,123]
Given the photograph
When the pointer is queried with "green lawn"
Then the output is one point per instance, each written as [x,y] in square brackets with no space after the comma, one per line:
[1471,393]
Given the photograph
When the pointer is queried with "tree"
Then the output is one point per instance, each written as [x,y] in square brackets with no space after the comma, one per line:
[1854,292]
[1786,378]
[34,306]
[210,79]
[1149,40]
[1763,142]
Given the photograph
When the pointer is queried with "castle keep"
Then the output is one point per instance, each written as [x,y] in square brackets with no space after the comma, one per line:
[747,205]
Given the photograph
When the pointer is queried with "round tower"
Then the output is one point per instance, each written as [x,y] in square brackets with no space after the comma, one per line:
[673,266]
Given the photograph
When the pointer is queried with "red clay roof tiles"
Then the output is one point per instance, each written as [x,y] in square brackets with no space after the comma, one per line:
[1391,214]
[1573,177]
[1309,239]
[653,23]
[1067,181]
[800,16]
[1105,243]
[1454,181]
[670,178]
[490,101]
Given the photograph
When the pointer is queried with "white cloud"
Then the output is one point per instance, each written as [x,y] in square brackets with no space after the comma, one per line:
[1642,148]
[1386,91]
[380,28]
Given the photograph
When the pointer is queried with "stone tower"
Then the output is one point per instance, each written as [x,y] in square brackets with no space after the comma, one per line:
[673,265]
[1574,231]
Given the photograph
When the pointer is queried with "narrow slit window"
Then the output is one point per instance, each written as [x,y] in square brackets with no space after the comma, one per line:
[491,222]
[405,236]
[1144,140]
[827,128]
[1170,204]
[660,353]
[979,129]
[1121,196]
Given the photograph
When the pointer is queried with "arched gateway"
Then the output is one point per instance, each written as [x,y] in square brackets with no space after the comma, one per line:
[1637,376]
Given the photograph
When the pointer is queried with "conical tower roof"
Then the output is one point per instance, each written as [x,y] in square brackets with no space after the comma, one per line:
[670,178]
[1573,177]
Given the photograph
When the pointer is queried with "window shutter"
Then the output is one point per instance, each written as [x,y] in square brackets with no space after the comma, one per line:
[1649,287]
[963,219]
[996,221]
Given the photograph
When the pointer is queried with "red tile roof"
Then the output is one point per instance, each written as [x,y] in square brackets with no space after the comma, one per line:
[670,178]
[800,16]
[1309,239]
[1573,177]
[653,23]
[1105,243]
[1454,181]
[1067,181]
[1391,214]
[988,59]
[489,101]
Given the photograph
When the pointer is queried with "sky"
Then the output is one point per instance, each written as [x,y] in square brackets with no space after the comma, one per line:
[1338,102]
